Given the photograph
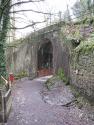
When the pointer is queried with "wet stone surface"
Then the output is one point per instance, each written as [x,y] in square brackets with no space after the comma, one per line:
[29,107]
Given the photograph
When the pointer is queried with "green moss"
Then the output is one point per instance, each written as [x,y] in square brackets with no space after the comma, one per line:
[62,76]
[80,100]
[51,82]
[85,47]
[74,91]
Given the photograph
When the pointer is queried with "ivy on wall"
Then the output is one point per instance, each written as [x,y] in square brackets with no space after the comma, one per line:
[4,20]
[2,61]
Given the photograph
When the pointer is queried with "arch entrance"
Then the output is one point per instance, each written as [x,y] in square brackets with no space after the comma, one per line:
[45,59]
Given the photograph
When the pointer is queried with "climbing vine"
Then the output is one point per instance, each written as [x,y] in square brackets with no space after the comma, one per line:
[4,20]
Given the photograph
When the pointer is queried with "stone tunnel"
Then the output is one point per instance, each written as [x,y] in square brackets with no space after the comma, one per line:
[40,53]
[44,52]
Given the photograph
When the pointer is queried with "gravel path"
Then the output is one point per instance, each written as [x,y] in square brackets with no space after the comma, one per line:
[29,108]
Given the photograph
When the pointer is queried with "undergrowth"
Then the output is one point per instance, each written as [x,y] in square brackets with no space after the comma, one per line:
[21,74]
[86,46]
[61,75]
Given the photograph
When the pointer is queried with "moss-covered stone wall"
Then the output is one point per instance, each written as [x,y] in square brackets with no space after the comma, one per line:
[82,68]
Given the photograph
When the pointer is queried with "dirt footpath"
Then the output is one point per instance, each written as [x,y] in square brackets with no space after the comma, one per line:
[29,107]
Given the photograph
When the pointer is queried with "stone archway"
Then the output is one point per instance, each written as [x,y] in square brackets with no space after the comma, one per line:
[45,59]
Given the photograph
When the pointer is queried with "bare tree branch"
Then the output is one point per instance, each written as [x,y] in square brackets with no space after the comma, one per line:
[35,11]
[23,2]
[31,25]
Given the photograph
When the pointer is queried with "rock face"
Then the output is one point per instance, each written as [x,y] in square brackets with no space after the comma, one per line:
[82,74]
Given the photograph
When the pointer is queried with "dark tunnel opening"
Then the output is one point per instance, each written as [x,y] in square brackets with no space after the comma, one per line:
[45,59]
